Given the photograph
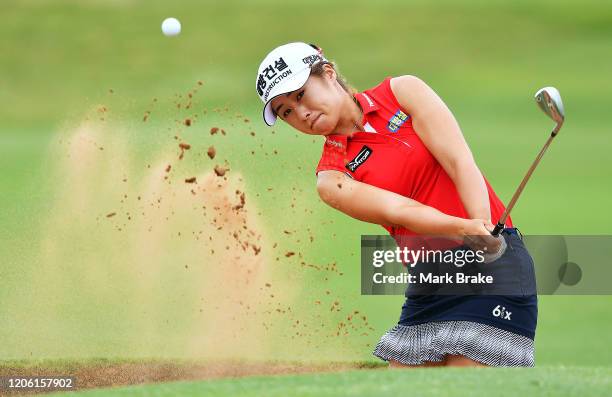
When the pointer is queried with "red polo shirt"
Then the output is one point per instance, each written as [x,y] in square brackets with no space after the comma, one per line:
[390,155]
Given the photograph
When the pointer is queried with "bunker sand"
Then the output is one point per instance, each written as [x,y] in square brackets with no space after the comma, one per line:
[106,373]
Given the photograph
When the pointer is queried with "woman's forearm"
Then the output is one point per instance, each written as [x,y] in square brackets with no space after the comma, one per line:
[423,219]
[472,190]
[375,205]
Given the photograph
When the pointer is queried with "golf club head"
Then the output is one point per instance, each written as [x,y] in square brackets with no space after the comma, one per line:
[549,100]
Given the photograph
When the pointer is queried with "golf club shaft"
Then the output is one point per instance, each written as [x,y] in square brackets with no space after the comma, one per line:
[502,221]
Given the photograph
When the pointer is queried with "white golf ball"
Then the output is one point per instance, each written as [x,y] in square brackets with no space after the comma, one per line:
[171,26]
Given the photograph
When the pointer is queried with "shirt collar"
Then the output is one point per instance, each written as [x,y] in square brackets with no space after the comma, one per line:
[339,142]
[367,103]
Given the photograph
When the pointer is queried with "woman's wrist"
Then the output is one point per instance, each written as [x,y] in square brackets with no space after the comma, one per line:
[459,226]
[423,219]
[449,225]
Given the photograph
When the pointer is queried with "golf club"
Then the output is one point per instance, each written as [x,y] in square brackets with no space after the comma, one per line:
[549,100]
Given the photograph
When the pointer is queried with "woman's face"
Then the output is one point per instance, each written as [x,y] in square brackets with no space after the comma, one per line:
[315,108]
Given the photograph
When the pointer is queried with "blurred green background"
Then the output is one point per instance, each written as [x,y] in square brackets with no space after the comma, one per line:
[79,75]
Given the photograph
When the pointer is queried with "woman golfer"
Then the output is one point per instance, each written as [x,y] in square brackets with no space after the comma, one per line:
[395,156]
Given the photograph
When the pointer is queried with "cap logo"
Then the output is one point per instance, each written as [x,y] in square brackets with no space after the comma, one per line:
[312,59]
[270,76]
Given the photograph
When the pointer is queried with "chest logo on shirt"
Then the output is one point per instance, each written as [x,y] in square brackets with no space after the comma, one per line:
[361,157]
[331,142]
[396,121]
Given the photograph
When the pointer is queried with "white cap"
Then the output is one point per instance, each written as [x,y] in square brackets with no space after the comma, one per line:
[284,69]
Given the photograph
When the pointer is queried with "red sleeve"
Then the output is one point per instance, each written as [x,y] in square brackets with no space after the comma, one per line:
[334,154]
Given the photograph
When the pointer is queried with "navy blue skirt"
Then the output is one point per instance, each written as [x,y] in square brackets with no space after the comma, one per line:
[496,330]
[516,313]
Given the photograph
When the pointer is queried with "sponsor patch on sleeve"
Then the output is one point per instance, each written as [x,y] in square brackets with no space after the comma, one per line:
[396,121]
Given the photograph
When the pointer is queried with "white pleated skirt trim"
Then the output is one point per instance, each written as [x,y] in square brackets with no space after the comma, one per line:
[417,344]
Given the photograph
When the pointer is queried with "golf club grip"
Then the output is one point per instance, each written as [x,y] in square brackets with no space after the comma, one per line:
[498,228]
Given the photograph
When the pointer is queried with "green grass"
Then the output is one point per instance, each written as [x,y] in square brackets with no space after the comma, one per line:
[74,287]
[549,381]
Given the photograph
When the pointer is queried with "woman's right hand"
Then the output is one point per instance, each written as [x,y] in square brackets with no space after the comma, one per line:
[477,235]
